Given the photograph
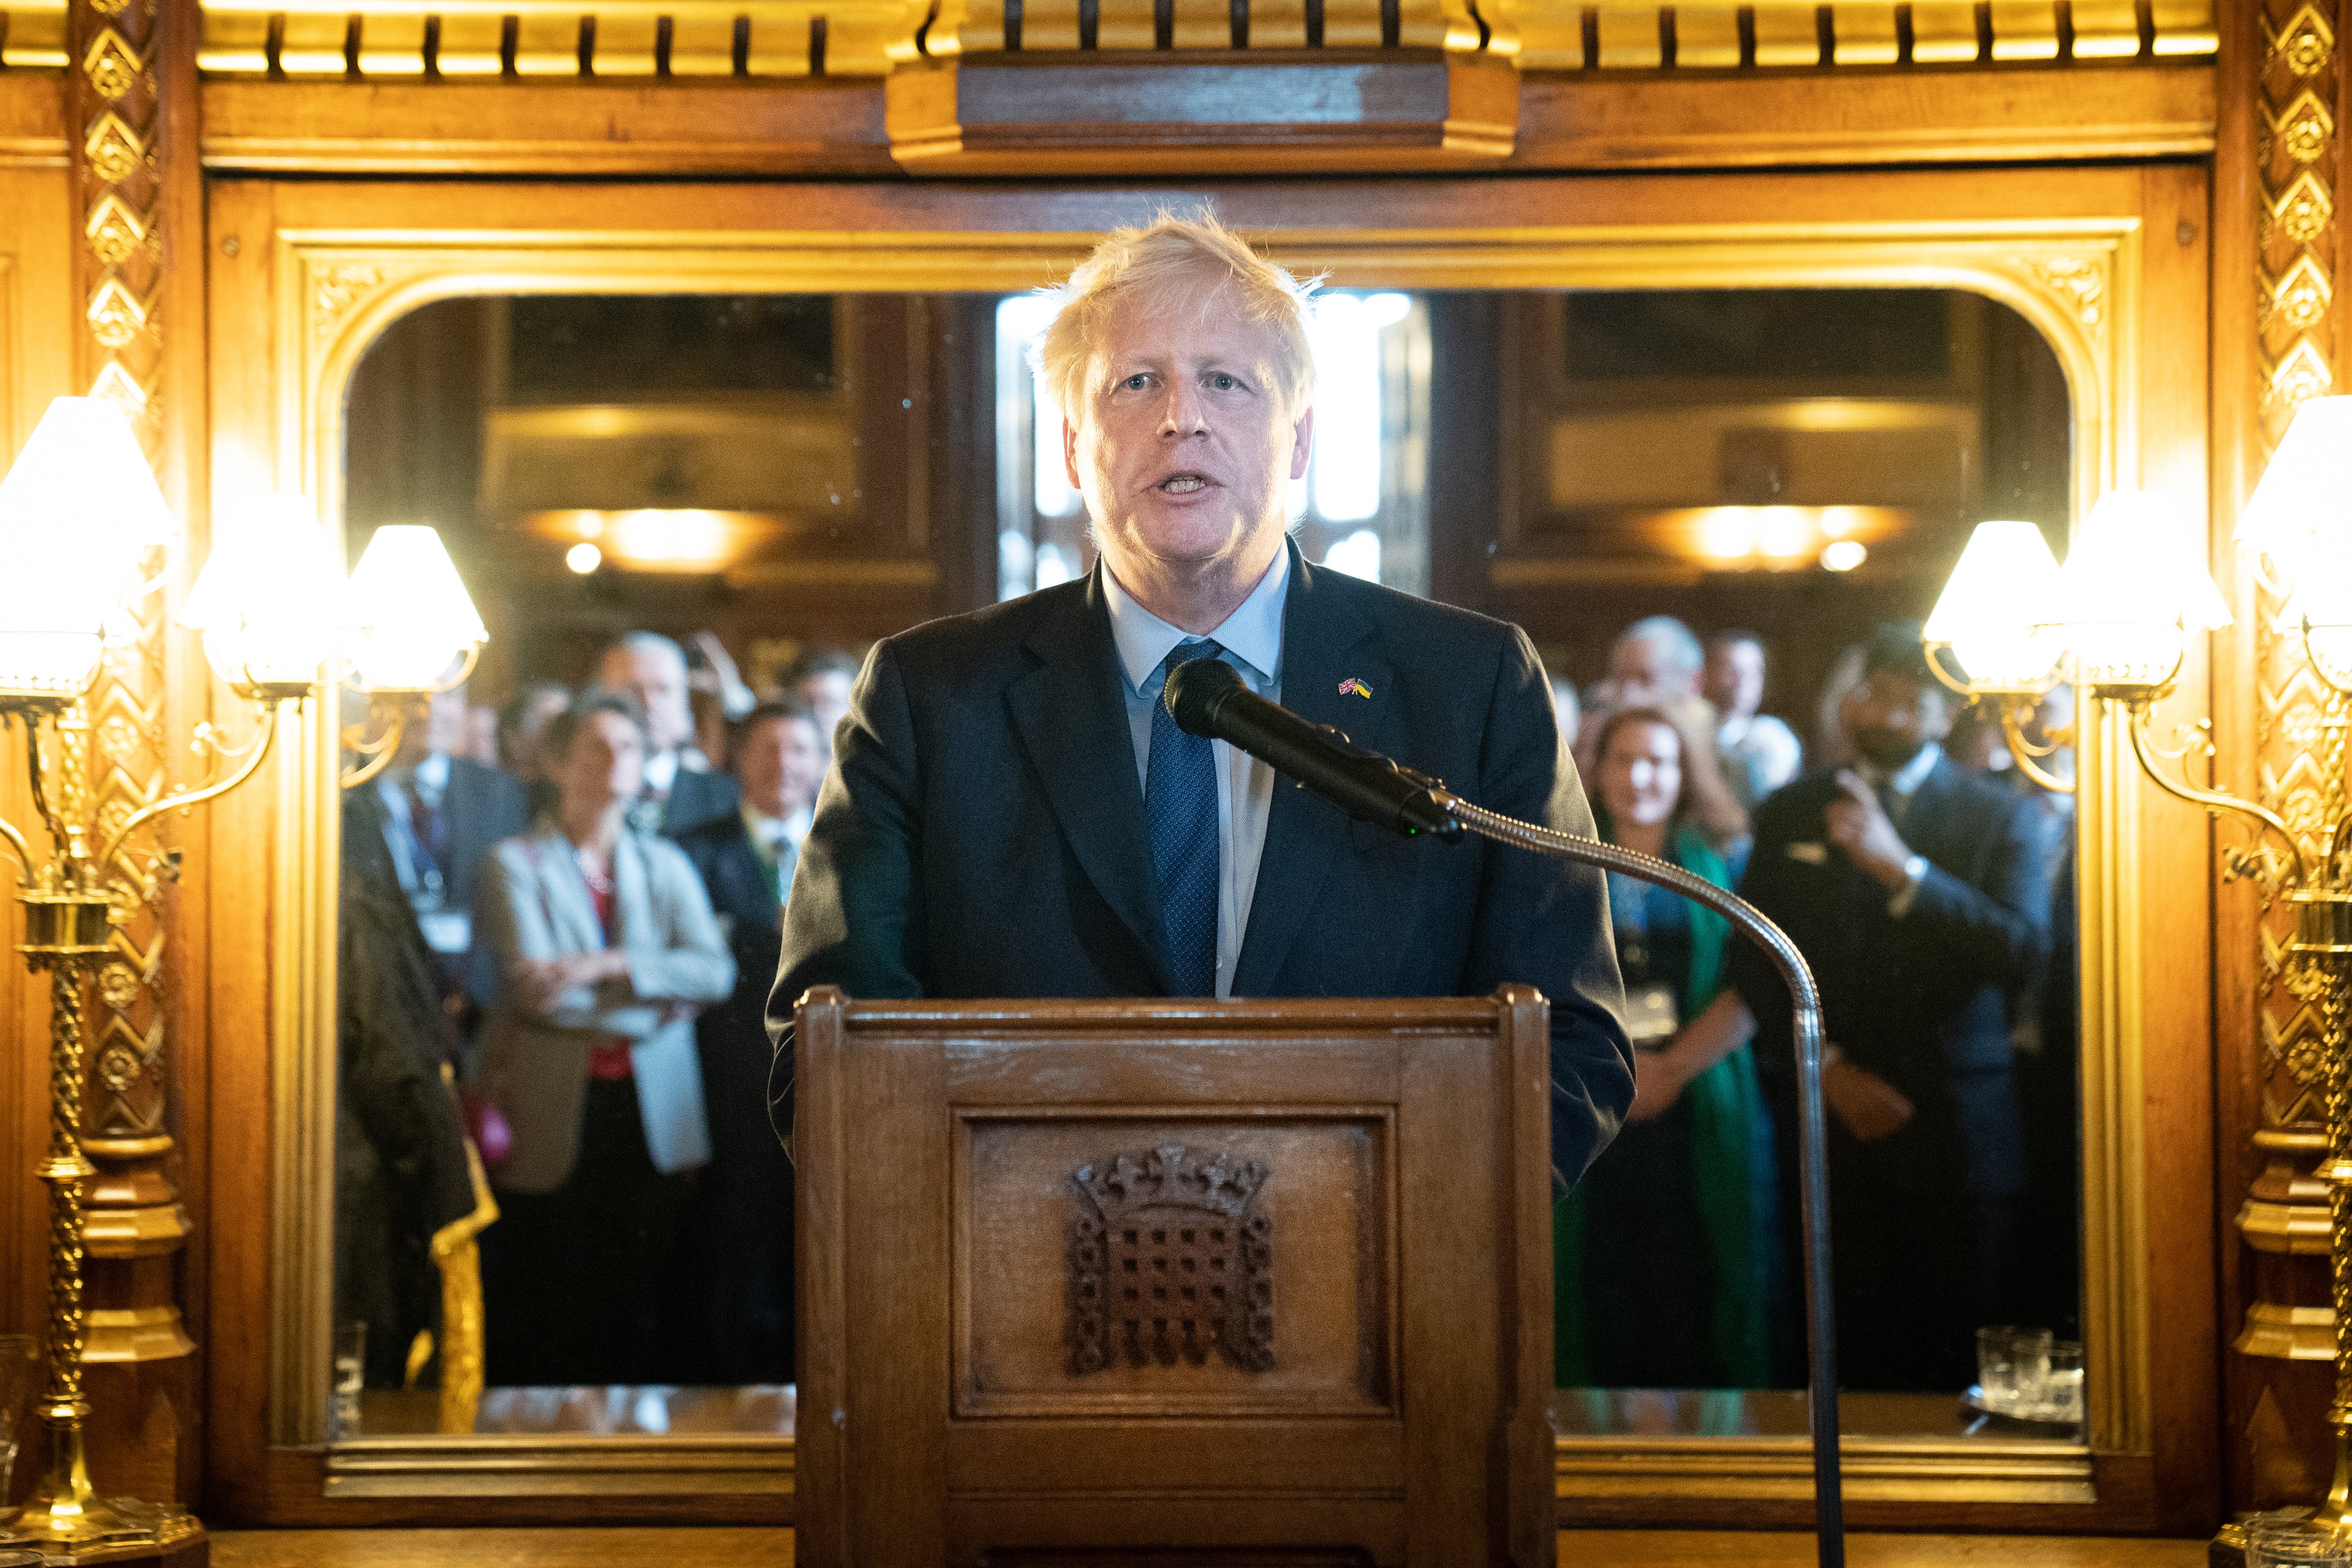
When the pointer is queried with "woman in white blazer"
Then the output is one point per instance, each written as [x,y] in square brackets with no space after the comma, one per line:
[603,945]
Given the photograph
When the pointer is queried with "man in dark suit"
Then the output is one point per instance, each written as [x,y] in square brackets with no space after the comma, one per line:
[681,792]
[1920,894]
[1010,813]
[441,815]
[745,1206]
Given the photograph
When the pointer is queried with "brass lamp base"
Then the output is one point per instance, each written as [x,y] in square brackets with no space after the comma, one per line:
[115,1530]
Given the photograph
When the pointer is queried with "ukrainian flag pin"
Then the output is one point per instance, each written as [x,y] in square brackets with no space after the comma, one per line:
[1351,686]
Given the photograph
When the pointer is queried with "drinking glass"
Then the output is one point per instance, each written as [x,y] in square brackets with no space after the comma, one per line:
[2012,1365]
[2062,1389]
[2294,1543]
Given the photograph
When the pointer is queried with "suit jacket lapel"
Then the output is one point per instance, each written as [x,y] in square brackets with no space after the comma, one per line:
[1071,716]
[569,910]
[1321,647]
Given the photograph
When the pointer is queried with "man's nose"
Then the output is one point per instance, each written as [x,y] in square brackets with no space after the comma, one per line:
[1181,414]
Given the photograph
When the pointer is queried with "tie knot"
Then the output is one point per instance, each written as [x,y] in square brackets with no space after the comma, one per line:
[1185,652]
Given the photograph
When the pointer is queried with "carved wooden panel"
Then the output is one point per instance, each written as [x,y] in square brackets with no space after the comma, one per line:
[1171,1259]
[1085,1234]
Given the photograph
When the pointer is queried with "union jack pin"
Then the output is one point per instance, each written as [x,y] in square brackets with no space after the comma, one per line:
[1351,686]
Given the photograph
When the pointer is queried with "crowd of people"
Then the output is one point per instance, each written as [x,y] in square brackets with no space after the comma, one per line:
[1918,871]
[561,921]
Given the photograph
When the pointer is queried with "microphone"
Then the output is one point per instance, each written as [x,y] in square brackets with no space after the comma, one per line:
[1207,697]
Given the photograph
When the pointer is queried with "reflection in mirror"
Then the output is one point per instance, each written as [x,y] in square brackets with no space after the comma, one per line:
[684,518]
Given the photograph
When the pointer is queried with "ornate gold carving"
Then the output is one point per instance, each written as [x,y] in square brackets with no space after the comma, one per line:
[335,288]
[114,231]
[2081,281]
[2305,44]
[115,318]
[2301,375]
[112,150]
[2304,130]
[119,387]
[2300,300]
[2302,212]
[112,65]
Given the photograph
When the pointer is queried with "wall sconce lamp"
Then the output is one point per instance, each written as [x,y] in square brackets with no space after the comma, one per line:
[85,534]
[2117,619]
[409,619]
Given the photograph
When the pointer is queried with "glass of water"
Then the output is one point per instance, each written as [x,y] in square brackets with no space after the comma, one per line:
[350,1379]
[2275,1542]
[2012,1366]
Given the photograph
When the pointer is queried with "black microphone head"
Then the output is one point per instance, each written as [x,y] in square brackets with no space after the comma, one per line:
[1194,690]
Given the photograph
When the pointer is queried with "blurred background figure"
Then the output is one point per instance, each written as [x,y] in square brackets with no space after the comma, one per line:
[1662,1255]
[1832,747]
[1760,753]
[521,722]
[1654,663]
[820,679]
[1566,710]
[679,792]
[715,692]
[743,1220]
[439,812]
[602,946]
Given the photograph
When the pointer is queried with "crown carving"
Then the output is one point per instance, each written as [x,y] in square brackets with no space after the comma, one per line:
[1173,1177]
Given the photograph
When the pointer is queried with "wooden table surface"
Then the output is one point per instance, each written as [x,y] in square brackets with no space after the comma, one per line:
[742,1548]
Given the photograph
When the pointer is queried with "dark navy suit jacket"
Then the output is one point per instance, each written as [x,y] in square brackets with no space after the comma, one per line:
[1924,1001]
[983,834]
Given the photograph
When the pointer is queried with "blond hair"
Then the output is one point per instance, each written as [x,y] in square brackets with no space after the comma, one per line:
[1195,253]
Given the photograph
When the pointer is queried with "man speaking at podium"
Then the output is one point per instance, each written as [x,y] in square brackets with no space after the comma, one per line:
[1012,811]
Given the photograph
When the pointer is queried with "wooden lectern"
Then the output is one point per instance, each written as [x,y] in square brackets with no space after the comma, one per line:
[1156,1282]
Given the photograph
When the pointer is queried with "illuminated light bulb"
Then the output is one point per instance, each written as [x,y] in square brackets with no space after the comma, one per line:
[2301,513]
[1843,555]
[583,558]
[1784,532]
[268,597]
[1727,533]
[1837,521]
[409,615]
[1999,608]
[2132,590]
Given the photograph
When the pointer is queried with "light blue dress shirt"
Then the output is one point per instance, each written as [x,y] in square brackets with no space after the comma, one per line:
[1252,638]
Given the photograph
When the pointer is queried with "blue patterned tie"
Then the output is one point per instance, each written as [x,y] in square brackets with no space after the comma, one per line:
[1180,802]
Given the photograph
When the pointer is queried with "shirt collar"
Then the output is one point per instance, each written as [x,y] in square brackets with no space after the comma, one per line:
[433,773]
[1252,635]
[1906,780]
[661,771]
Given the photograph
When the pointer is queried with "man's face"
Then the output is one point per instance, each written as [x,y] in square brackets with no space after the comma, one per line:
[1890,717]
[1643,668]
[606,762]
[780,765]
[1182,440]
[1734,681]
[658,679]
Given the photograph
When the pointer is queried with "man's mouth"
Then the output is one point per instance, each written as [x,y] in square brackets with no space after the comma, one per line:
[1181,483]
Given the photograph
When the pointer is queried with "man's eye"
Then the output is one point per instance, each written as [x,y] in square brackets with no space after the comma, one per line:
[1223,383]
[1135,382]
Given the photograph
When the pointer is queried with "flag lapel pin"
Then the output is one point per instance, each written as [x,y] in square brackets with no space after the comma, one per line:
[1351,687]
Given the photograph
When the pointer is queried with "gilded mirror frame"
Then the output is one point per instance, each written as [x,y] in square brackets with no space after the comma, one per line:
[2079,280]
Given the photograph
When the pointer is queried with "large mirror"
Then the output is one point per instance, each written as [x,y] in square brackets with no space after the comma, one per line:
[1704,505]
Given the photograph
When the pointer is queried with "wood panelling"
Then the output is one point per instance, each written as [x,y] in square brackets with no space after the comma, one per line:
[1576,120]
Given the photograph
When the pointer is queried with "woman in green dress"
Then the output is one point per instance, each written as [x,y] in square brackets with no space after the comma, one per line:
[1663,1253]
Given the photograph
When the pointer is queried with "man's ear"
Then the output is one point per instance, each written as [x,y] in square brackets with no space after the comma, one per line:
[1302,443]
[1070,452]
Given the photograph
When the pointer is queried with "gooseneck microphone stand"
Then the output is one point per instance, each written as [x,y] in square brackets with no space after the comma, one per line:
[1207,697]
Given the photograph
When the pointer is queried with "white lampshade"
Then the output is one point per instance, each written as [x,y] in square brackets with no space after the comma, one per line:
[2000,608]
[268,598]
[83,474]
[409,616]
[2132,590]
[2301,513]
[79,515]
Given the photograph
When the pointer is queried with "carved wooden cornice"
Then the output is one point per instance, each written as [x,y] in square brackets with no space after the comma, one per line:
[541,40]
